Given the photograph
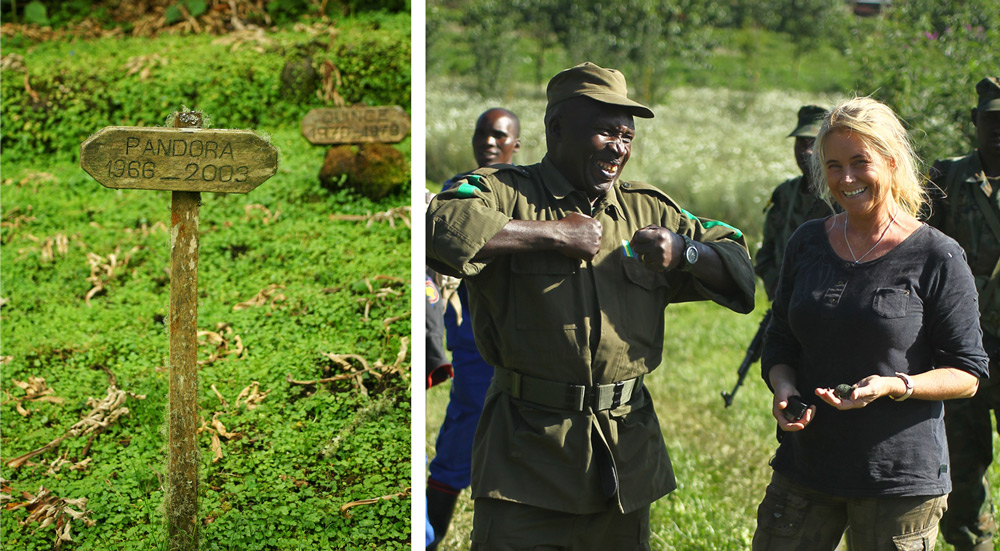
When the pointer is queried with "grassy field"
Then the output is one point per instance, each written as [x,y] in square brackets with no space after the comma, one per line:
[720,152]
[720,455]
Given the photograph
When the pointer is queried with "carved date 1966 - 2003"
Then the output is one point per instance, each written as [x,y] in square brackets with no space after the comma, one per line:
[193,171]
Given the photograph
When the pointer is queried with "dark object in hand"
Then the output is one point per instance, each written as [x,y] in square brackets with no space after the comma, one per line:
[795,409]
[843,391]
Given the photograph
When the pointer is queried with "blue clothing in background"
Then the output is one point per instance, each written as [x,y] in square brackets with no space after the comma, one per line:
[452,464]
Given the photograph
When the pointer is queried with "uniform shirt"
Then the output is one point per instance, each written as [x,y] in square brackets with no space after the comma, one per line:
[834,321]
[791,204]
[549,316]
[960,216]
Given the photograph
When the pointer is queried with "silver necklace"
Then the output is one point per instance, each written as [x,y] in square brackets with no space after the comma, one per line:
[847,218]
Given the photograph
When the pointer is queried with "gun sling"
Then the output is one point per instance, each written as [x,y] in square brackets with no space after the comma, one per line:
[563,395]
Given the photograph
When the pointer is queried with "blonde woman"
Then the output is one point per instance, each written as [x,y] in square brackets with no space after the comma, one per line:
[875,323]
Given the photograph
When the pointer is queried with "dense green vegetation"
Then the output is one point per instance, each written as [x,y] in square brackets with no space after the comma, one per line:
[922,56]
[729,88]
[738,79]
[295,285]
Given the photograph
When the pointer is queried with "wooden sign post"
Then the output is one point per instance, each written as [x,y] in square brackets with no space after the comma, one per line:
[353,125]
[185,160]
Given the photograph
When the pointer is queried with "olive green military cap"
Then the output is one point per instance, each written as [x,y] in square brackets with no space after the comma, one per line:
[810,119]
[989,94]
[598,83]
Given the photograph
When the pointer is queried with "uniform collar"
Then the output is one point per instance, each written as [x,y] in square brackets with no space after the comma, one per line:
[553,180]
[559,187]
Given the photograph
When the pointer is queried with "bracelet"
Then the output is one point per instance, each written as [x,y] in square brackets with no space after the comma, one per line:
[909,387]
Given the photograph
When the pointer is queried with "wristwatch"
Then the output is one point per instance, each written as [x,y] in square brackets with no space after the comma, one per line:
[909,387]
[690,256]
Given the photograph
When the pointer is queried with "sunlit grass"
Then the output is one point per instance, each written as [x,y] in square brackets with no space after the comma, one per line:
[720,455]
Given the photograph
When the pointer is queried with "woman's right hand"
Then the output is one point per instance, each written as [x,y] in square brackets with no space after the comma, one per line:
[782,378]
[780,403]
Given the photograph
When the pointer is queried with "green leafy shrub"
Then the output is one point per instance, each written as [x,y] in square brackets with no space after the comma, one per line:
[135,82]
[924,59]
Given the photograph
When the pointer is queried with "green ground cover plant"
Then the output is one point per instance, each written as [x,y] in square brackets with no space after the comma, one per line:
[304,312]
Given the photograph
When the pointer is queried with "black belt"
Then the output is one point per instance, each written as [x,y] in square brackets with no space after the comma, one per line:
[563,395]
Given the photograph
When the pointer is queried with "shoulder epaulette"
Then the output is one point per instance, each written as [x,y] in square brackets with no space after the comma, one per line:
[493,169]
[642,187]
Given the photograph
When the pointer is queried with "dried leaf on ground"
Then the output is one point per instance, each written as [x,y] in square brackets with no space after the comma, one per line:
[266,215]
[377,370]
[268,295]
[344,509]
[249,36]
[251,396]
[47,509]
[104,269]
[388,216]
[103,414]
[223,342]
[144,65]
[35,390]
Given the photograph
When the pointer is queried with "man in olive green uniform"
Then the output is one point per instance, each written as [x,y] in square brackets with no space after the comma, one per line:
[569,270]
[792,203]
[969,212]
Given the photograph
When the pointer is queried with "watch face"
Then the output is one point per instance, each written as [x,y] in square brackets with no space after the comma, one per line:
[691,255]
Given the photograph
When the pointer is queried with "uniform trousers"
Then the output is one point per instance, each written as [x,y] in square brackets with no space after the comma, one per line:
[794,518]
[970,519]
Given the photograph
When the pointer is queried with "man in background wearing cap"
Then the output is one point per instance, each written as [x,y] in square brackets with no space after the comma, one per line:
[968,210]
[793,202]
[496,138]
[569,270]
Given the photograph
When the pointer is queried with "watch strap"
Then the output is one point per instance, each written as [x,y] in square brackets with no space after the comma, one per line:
[909,387]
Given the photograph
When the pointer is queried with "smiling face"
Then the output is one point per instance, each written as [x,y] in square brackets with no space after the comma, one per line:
[590,142]
[856,174]
[496,138]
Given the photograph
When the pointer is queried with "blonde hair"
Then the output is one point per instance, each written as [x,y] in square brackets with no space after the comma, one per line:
[879,128]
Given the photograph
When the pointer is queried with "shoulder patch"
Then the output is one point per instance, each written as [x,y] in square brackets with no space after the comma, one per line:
[713,223]
[431,290]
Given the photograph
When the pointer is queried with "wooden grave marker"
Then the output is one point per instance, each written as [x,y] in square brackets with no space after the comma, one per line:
[353,125]
[185,160]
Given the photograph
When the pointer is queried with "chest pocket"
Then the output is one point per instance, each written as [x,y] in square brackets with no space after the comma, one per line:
[545,293]
[891,303]
[645,298]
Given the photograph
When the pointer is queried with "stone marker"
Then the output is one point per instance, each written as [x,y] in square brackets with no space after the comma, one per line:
[354,125]
[185,160]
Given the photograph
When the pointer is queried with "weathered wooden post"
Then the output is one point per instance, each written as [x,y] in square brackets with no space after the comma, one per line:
[185,160]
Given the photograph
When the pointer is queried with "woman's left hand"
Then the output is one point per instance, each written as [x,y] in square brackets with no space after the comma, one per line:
[866,391]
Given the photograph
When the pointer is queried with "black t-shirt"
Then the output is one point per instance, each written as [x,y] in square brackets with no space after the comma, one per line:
[835,322]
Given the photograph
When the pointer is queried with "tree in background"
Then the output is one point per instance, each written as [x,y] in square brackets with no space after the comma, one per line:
[639,37]
[493,37]
[923,58]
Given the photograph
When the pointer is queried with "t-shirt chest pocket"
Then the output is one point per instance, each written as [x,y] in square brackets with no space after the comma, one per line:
[892,303]
[545,293]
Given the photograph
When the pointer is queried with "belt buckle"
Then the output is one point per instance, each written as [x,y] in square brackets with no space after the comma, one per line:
[577,396]
[616,396]
[515,384]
